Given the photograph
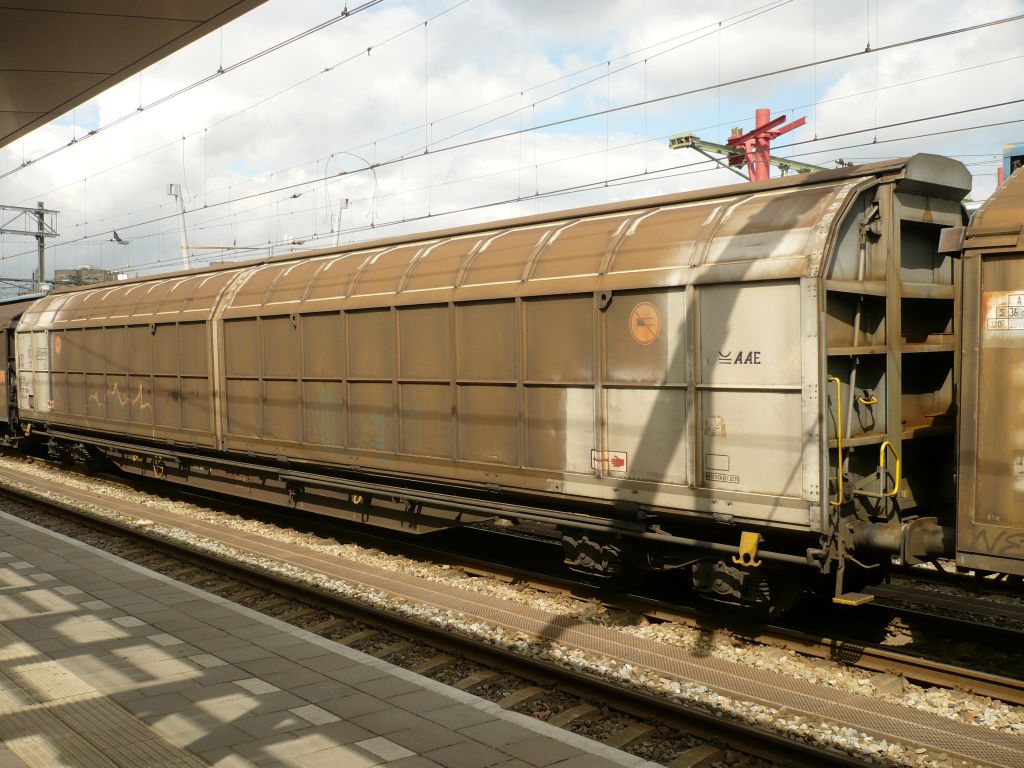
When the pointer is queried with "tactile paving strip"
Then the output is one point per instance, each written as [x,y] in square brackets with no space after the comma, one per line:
[51,717]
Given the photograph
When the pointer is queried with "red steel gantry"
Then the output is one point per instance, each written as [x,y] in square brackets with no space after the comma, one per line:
[752,149]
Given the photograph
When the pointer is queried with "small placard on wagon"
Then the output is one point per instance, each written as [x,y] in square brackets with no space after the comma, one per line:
[1003,310]
[608,461]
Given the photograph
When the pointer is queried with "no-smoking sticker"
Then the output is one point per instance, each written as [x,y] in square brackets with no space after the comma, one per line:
[644,323]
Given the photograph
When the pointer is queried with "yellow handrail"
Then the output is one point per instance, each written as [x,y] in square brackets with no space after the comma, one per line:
[839,439]
[882,456]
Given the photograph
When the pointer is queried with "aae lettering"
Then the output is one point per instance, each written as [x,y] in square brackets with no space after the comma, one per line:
[751,357]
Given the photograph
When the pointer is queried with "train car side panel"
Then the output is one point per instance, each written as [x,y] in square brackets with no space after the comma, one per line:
[562,358]
[128,360]
[991,496]
[751,388]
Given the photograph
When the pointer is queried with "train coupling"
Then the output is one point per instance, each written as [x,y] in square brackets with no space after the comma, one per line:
[914,541]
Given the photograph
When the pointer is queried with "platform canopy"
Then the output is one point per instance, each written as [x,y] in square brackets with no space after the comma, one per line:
[57,54]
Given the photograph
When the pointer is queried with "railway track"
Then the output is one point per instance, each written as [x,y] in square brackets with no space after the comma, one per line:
[972,605]
[945,615]
[281,596]
[690,719]
[846,649]
[871,657]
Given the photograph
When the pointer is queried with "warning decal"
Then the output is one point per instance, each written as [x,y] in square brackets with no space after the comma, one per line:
[644,323]
[608,461]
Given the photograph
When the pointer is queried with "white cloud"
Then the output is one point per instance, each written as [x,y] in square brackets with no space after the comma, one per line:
[478,53]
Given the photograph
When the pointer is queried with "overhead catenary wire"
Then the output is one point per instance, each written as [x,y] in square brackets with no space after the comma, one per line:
[265,99]
[728,83]
[434,148]
[216,222]
[609,72]
[373,166]
[608,109]
[627,179]
[843,134]
[736,18]
[380,164]
[221,70]
[587,186]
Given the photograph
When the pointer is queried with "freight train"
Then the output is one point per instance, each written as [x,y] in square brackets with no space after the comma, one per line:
[756,387]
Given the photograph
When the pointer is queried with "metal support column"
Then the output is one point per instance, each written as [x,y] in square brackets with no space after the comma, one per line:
[40,223]
[175,191]
[40,246]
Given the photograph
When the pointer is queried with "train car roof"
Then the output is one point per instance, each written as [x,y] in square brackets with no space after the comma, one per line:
[775,230]
[922,173]
[1001,217]
[12,308]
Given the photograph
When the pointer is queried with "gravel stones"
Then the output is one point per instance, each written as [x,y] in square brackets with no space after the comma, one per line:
[976,710]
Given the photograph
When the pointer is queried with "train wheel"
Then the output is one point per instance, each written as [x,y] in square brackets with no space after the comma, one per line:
[759,593]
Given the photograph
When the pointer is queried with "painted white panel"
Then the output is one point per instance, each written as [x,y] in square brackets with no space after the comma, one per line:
[41,351]
[33,364]
[579,429]
[649,426]
[26,377]
[41,361]
[751,441]
[750,334]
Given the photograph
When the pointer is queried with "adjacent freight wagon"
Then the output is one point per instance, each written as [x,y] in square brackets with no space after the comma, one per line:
[736,382]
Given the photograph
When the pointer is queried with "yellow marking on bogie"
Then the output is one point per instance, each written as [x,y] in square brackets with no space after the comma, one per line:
[748,550]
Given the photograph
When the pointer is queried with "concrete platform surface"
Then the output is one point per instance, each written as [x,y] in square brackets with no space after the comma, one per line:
[104,663]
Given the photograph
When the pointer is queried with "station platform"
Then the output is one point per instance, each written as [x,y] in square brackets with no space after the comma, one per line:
[104,663]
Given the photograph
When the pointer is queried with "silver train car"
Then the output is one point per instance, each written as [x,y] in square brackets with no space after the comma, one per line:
[744,385]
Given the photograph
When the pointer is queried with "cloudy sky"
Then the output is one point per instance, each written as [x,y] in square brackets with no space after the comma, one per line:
[523,106]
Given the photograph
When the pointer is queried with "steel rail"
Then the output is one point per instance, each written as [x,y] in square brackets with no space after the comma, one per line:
[867,656]
[700,722]
[870,657]
[972,604]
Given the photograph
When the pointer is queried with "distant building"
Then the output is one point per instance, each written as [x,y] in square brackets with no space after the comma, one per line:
[85,275]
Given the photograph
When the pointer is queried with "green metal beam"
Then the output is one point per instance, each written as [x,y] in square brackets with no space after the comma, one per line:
[690,141]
